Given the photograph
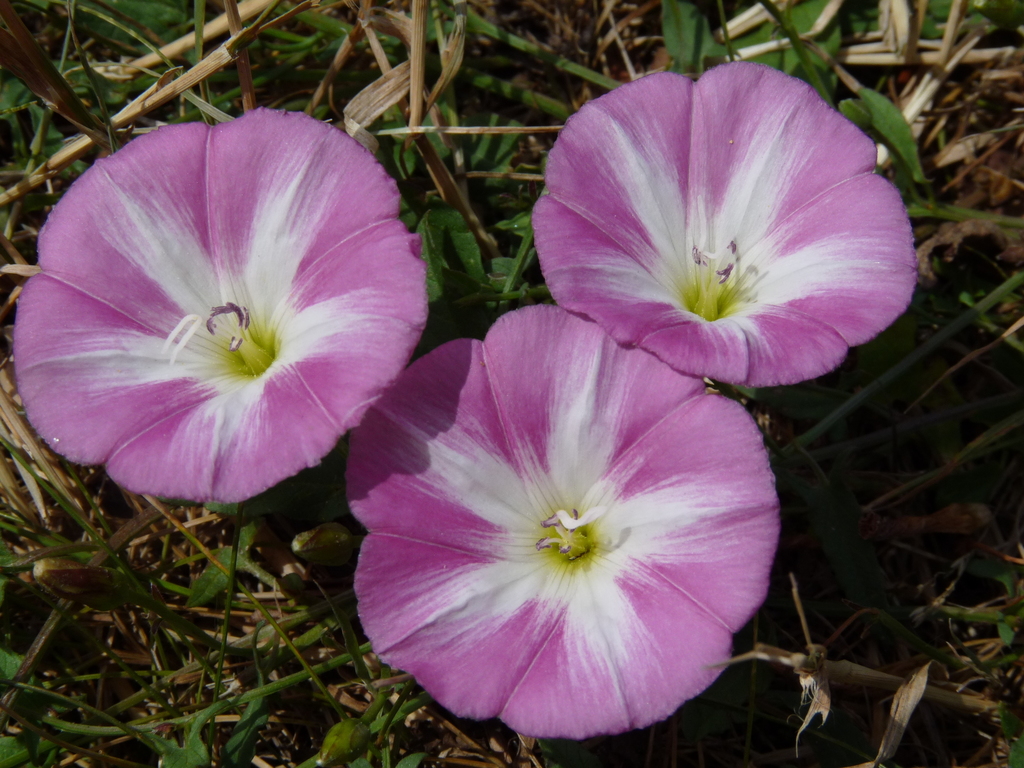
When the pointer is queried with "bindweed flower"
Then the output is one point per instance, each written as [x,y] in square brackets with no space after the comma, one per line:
[218,305]
[563,532]
[734,228]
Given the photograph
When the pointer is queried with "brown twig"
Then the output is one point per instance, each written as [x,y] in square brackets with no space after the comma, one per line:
[981,159]
[341,57]
[417,60]
[242,61]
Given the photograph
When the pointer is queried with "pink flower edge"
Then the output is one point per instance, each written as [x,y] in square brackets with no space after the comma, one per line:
[456,468]
[254,214]
[744,189]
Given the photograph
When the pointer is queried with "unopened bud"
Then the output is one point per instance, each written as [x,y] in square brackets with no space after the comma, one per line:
[345,742]
[327,544]
[95,586]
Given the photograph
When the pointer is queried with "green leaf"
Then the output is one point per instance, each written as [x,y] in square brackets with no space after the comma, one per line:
[490,151]
[6,556]
[976,485]
[454,269]
[1007,14]
[173,756]
[1016,758]
[997,570]
[718,708]
[241,747]
[1012,729]
[688,38]
[10,746]
[412,761]
[449,242]
[316,494]
[157,17]
[888,121]
[1006,633]
[30,704]
[799,401]
[212,582]
[835,517]
[564,753]
[857,112]
[839,742]
[194,753]
[222,509]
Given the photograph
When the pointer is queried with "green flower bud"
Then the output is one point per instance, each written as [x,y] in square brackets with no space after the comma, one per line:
[345,742]
[1008,14]
[95,586]
[327,544]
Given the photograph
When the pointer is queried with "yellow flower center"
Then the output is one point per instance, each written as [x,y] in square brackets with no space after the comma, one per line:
[569,536]
[712,287]
[246,348]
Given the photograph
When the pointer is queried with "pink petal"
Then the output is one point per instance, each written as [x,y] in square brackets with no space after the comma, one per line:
[768,145]
[284,191]
[79,361]
[259,212]
[132,232]
[564,408]
[455,468]
[750,162]
[831,267]
[435,446]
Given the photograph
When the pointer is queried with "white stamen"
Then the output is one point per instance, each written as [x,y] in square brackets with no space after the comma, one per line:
[192,323]
[573,521]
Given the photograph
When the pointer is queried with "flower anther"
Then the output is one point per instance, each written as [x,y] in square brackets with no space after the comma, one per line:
[214,310]
[573,537]
[734,227]
[568,530]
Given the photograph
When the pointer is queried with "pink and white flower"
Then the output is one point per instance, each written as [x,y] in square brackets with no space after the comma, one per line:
[563,532]
[218,305]
[734,228]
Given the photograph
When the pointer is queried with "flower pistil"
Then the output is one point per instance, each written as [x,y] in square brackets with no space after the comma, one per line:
[713,287]
[249,351]
[572,538]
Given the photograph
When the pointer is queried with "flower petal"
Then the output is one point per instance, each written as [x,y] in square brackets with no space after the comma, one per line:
[454,470]
[80,360]
[435,448]
[258,214]
[752,170]
[764,144]
[828,265]
[284,190]
[566,412]
[622,164]
[218,449]
[147,254]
